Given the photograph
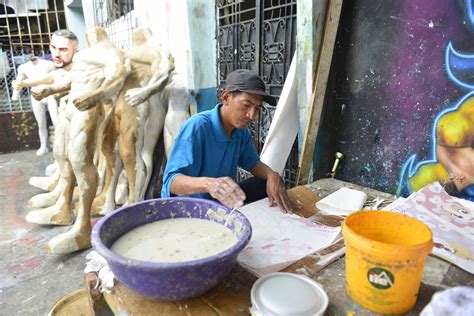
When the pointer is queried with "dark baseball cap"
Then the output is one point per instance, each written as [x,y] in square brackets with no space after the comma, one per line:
[244,80]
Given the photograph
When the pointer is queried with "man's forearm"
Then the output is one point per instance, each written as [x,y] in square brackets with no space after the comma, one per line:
[223,189]
[262,171]
[186,185]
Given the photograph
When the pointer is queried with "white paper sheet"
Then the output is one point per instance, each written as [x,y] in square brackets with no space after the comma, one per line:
[451,221]
[279,239]
[284,126]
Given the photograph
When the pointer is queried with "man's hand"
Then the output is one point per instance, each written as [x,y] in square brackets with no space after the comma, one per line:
[226,191]
[277,193]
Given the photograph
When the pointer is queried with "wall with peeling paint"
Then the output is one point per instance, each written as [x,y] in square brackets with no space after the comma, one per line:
[187,29]
[390,85]
[18,131]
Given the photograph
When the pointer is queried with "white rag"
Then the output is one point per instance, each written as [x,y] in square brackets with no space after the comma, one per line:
[456,301]
[96,263]
[342,202]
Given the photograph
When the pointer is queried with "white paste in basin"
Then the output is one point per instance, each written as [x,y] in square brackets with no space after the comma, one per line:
[175,240]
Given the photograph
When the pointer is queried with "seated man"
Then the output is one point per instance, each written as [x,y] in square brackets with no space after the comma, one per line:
[211,144]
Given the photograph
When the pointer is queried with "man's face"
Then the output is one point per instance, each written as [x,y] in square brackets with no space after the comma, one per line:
[62,51]
[243,107]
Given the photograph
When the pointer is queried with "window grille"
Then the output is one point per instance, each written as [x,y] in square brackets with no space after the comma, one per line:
[259,35]
[118,18]
[25,29]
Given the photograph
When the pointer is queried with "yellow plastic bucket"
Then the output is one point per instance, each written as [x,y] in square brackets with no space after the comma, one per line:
[385,257]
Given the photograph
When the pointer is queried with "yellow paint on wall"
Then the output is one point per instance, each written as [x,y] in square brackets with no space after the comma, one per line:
[23,126]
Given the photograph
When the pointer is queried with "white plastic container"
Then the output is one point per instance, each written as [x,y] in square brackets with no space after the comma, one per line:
[282,293]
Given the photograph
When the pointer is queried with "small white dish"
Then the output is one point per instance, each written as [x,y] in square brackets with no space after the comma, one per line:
[282,293]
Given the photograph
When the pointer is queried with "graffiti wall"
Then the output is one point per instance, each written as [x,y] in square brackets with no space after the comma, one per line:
[402,94]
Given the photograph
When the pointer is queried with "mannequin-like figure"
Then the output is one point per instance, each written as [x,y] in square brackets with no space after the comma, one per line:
[176,95]
[139,119]
[140,115]
[63,46]
[28,75]
[96,76]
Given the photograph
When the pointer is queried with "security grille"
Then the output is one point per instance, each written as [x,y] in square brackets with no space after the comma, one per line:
[118,18]
[259,35]
[25,29]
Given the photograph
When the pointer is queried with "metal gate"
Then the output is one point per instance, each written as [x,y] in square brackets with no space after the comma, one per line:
[118,18]
[25,30]
[259,35]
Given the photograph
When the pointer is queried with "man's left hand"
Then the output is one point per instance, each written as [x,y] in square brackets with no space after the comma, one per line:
[277,193]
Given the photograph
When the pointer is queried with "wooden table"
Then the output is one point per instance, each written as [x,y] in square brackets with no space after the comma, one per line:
[232,296]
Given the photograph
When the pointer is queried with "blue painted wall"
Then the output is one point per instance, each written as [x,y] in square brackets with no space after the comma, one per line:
[202,73]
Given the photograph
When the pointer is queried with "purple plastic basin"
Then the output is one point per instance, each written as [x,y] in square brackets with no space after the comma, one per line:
[169,281]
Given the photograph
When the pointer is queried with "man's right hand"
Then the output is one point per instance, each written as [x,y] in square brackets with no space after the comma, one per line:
[226,191]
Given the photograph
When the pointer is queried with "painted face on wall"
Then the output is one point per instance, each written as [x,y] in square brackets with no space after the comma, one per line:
[62,51]
[240,109]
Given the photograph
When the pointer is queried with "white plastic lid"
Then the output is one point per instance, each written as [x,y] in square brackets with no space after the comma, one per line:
[282,293]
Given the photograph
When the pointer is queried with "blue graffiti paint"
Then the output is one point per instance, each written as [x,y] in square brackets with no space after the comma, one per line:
[460,62]
[409,168]
[470,11]
[456,64]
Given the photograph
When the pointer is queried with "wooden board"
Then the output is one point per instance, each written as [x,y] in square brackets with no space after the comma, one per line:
[303,200]
[319,90]
[230,297]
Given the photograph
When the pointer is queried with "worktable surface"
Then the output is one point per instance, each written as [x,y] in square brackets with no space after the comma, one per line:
[232,297]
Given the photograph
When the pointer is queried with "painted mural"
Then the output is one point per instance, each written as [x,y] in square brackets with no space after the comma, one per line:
[400,104]
[451,160]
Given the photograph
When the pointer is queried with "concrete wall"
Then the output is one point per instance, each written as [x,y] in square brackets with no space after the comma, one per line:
[75,20]
[390,86]
[202,34]
[187,29]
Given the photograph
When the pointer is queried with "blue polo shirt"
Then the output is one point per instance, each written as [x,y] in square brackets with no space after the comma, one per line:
[203,149]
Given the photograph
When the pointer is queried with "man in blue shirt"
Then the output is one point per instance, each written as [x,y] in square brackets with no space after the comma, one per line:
[212,144]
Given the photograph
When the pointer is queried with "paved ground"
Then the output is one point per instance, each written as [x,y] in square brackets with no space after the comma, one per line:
[31,280]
